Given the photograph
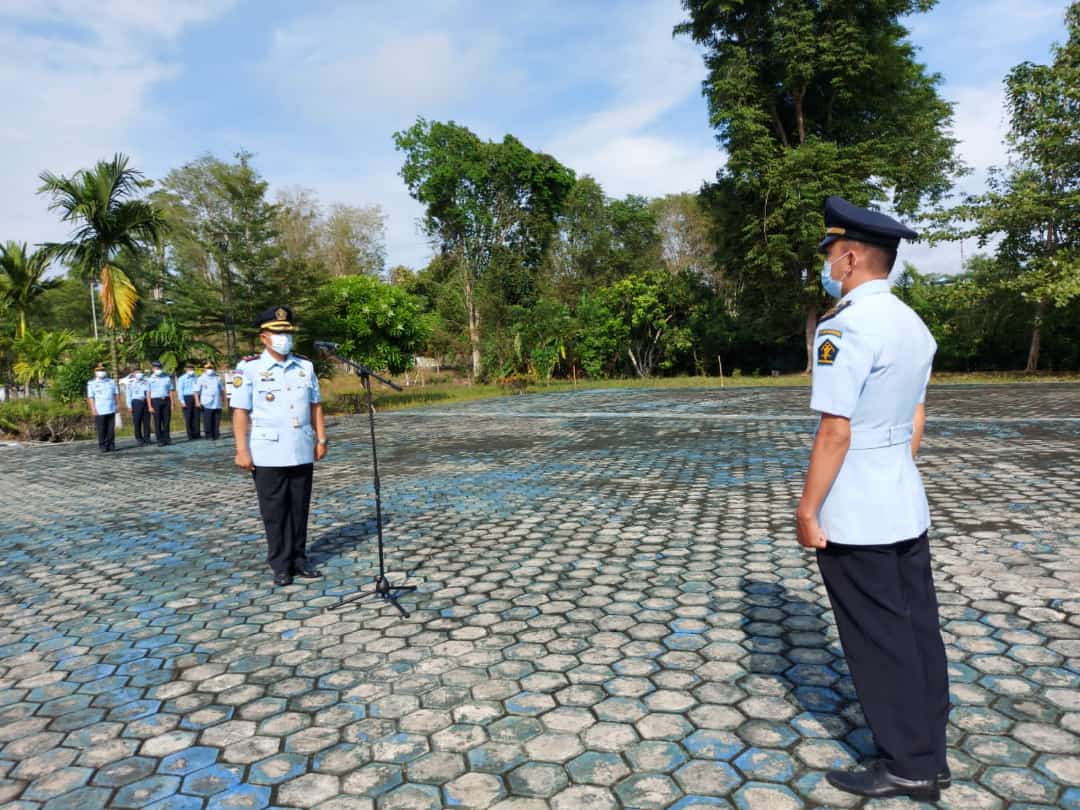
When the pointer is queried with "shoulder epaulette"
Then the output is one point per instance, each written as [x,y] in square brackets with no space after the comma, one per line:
[249,358]
[832,313]
[302,357]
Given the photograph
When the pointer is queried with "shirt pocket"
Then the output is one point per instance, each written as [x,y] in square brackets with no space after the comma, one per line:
[264,435]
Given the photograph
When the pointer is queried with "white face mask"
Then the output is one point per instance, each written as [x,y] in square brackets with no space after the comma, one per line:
[190,372]
[138,375]
[282,344]
[100,375]
[209,371]
[157,372]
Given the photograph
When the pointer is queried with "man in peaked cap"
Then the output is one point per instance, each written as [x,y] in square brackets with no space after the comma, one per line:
[102,394]
[160,396]
[279,430]
[208,396]
[863,506]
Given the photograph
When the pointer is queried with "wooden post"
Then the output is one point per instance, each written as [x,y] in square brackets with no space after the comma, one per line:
[720,362]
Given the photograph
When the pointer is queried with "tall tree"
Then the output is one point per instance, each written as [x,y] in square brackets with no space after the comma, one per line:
[109,217]
[23,281]
[686,239]
[225,246]
[1034,204]
[486,202]
[354,240]
[810,99]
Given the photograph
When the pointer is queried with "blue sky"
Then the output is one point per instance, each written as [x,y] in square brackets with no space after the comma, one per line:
[315,89]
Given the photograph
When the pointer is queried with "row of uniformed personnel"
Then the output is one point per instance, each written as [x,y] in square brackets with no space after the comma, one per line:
[150,398]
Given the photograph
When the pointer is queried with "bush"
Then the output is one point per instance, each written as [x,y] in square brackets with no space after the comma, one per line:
[45,421]
[69,385]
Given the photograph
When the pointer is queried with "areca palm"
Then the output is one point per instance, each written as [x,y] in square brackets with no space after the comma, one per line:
[41,355]
[108,217]
[23,279]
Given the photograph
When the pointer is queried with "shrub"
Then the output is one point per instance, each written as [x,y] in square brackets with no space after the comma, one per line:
[69,385]
[45,421]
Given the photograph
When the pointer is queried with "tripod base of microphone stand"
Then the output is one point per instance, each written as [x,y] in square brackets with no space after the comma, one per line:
[380,589]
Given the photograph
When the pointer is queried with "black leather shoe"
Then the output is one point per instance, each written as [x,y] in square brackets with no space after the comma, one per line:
[283,579]
[307,571]
[876,782]
[944,779]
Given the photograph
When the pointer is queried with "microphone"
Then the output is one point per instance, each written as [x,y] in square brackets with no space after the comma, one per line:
[327,346]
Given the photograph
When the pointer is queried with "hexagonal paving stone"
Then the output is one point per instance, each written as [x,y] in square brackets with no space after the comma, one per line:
[308,790]
[760,764]
[656,755]
[146,791]
[212,780]
[373,779]
[597,768]
[277,769]
[584,796]
[756,795]
[537,779]
[474,790]
[1020,784]
[647,791]
[708,778]
[436,768]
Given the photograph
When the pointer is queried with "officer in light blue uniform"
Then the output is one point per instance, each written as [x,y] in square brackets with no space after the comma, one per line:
[279,431]
[161,394]
[208,396]
[864,508]
[103,394]
[137,388]
[186,384]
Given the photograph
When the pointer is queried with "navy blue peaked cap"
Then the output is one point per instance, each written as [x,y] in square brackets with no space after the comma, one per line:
[843,220]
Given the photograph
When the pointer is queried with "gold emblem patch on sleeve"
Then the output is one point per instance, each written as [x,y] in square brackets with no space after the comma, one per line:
[826,353]
[238,381]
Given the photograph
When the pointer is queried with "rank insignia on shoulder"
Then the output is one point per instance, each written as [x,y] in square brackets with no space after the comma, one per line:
[237,381]
[832,313]
[833,332]
[826,353]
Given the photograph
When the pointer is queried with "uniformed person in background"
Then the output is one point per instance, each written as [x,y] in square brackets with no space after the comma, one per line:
[139,407]
[103,394]
[208,395]
[864,509]
[185,393]
[160,398]
[279,430]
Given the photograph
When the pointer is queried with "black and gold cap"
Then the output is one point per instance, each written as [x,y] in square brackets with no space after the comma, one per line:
[275,319]
[844,220]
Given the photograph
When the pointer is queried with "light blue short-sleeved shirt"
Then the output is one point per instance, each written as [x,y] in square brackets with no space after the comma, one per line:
[872,363]
[186,385]
[136,390]
[208,386]
[279,396]
[104,393]
[160,385]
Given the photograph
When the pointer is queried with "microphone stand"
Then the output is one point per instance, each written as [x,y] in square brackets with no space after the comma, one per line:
[381,588]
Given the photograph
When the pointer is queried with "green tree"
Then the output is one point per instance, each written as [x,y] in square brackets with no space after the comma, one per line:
[23,281]
[172,345]
[227,258]
[41,354]
[486,204]
[376,323]
[1034,206]
[109,218]
[812,99]
[69,382]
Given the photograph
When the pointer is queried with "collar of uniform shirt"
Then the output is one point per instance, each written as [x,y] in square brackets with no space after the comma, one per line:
[878,285]
[292,358]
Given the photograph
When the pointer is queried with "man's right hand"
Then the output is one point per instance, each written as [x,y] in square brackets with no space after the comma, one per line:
[183,404]
[243,460]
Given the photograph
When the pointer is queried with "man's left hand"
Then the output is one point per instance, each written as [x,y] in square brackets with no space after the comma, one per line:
[809,532]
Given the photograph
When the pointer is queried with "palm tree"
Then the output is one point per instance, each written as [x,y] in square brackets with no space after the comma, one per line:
[108,217]
[41,355]
[23,279]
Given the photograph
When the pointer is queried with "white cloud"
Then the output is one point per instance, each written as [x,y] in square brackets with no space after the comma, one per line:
[78,75]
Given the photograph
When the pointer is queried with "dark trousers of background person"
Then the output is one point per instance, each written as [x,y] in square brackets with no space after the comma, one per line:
[284,498]
[887,615]
[162,417]
[140,419]
[106,431]
[191,417]
[211,420]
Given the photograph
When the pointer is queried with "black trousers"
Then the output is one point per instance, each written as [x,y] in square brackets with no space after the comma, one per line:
[284,499]
[887,615]
[191,417]
[211,419]
[140,419]
[106,430]
[162,417]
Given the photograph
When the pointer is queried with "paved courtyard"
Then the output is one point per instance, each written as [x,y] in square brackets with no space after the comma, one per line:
[612,613]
